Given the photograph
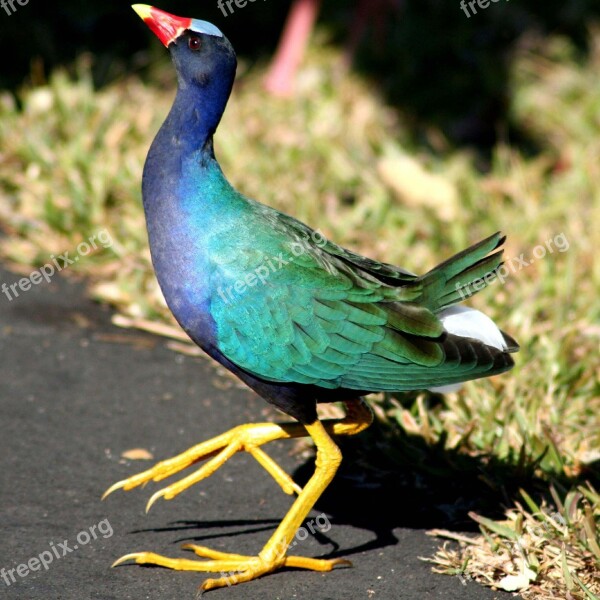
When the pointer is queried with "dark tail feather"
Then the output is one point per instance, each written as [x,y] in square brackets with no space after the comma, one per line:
[464,274]
[512,344]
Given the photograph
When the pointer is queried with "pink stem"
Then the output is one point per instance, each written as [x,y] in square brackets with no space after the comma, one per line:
[290,51]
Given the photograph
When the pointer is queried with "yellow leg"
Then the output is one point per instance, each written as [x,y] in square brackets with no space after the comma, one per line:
[358,417]
[235,568]
[244,437]
[218,450]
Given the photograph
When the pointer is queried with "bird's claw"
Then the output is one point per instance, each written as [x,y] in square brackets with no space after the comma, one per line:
[234,568]
[216,452]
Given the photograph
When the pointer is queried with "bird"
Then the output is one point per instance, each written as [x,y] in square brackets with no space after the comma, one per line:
[299,319]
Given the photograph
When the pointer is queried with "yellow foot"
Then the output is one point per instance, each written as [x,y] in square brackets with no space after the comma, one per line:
[233,568]
[218,450]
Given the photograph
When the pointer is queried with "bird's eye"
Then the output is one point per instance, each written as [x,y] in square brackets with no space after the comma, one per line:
[194,43]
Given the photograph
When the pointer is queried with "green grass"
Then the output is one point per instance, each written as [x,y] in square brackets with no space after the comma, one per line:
[336,157]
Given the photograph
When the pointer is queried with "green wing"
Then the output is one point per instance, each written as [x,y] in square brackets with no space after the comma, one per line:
[328,317]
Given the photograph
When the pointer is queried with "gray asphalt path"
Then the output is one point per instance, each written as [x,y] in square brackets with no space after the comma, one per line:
[76,392]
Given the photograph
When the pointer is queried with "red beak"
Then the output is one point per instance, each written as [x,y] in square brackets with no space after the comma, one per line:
[167,27]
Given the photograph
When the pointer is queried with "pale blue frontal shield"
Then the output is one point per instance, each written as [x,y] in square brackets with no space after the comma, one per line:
[205,27]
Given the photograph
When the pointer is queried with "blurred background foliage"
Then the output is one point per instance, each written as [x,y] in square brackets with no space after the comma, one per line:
[425,42]
[446,129]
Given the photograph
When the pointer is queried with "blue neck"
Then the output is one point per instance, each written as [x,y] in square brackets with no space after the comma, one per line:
[190,125]
[186,197]
[182,151]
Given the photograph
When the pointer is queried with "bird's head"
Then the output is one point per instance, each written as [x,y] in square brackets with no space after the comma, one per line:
[203,56]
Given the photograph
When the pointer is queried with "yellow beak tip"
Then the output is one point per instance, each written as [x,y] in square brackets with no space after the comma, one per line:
[143,10]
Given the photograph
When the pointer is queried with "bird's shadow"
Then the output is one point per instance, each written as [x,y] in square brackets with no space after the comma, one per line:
[417,485]
[242,527]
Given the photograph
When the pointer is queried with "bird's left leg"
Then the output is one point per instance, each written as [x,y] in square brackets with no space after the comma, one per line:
[216,452]
[249,438]
[235,568]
